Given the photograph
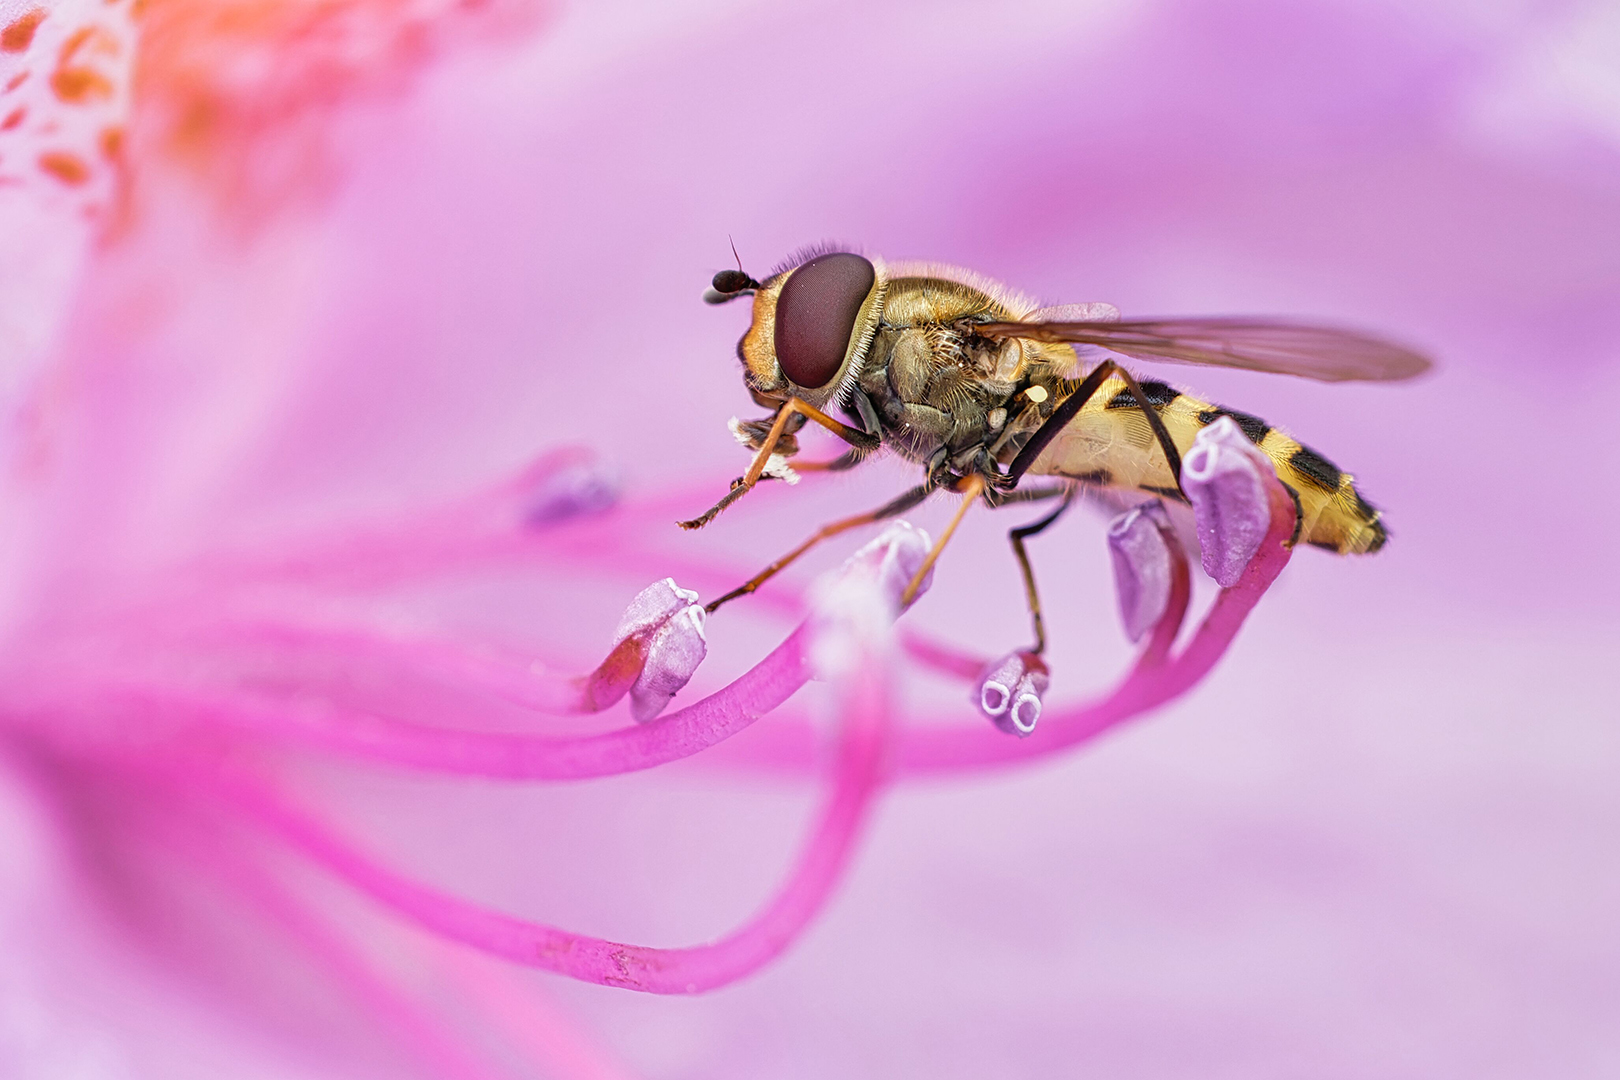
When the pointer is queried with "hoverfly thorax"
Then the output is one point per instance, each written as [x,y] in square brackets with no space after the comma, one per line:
[812,328]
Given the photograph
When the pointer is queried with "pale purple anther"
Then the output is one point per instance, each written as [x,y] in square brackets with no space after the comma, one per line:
[1009,692]
[1223,474]
[668,621]
[856,604]
[1139,541]
[576,489]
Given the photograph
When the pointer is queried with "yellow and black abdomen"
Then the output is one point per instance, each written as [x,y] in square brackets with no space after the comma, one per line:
[1111,444]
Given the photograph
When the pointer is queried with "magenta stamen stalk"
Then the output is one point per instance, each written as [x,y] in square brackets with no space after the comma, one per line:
[864,697]
[521,680]
[416,1026]
[938,656]
[515,522]
[523,1013]
[374,736]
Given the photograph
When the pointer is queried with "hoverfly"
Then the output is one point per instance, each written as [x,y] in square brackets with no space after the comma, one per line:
[983,388]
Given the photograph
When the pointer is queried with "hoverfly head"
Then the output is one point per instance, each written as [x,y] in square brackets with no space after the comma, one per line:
[813,325]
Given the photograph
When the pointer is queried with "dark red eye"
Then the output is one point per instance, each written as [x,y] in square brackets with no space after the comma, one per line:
[815,316]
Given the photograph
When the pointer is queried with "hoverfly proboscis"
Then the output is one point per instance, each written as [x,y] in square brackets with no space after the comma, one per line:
[983,387]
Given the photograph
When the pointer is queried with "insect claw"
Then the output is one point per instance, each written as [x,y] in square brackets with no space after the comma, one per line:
[998,480]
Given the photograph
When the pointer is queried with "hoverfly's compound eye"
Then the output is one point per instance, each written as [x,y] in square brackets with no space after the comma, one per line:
[733,281]
[816,313]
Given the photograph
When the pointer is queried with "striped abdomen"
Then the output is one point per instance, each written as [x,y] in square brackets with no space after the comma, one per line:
[1110,444]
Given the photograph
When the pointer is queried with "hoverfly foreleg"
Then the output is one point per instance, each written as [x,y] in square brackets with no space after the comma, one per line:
[843,462]
[790,408]
[859,407]
[1070,407]
[1017,537]
[888,510]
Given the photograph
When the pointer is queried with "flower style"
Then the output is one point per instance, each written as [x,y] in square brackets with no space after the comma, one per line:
[254,569]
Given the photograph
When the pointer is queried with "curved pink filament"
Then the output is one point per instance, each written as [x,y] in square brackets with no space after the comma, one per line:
[417,1026]
[375,736]
[864,711]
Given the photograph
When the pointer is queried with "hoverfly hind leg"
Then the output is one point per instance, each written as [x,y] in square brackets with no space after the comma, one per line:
[1172,456]
[1070,407]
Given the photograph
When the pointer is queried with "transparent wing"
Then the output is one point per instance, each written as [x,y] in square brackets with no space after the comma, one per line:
[1330,354]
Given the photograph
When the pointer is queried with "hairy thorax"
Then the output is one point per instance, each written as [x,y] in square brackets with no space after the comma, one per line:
[933,383]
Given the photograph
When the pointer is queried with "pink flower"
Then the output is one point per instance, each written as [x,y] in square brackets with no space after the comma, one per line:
[281,641]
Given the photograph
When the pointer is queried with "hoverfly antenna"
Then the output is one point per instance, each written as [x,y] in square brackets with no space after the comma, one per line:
[733,281]
[728,285]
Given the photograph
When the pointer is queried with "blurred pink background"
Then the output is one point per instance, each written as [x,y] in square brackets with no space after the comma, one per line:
[1378,841]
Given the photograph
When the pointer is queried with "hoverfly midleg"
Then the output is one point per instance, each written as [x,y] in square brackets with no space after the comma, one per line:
[1031,595]
[982,387]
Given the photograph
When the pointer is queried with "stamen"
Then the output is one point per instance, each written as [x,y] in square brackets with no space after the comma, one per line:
[1009,692]
[665,622]
[864,702]
[855,607]
[1222,475]
[1139,541]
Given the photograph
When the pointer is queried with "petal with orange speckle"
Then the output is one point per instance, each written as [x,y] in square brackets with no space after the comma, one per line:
[19,33]
[67,167]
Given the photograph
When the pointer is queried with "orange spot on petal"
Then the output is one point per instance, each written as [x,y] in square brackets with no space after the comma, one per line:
[95,40]
[12,119]
[112,142]
[66,167]
[19,34]
[78,86]
[74,81]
